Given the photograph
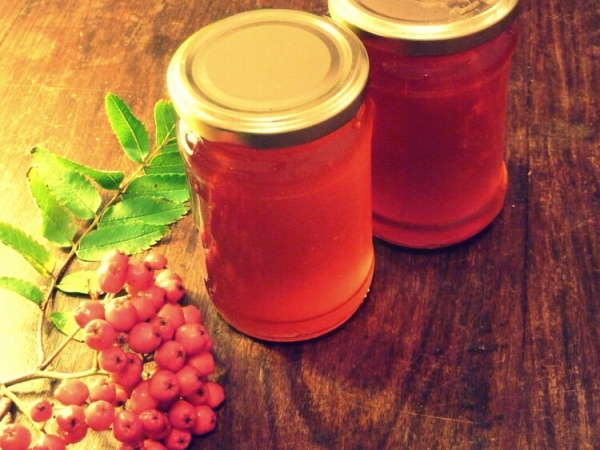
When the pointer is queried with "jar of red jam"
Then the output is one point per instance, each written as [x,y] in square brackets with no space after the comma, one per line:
[276,138]
[439,77]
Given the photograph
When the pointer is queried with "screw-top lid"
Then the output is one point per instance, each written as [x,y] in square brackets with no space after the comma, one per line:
[268,78]
[426,27]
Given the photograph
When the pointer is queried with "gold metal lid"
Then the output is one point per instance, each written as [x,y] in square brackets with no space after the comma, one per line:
[268,78]
[426,27]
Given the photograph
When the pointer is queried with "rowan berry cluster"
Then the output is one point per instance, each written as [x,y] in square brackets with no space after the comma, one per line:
[155,358]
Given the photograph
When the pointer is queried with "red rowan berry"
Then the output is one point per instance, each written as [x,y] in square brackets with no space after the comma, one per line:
[193,337]
[156,260]
[155,423]
[41,410]
[216,395]
[139,275]
[115,256]
[112,359]
[103,389]
[49,442]
[206,420]
[99,334]
[141,400]
[165,327]
[127,427]
[14,436]
[71,418]
[198,397]
[131,374]
[170,355]
[88,310]
[173,312]
[173,288]
[189,380]
[72,392]
[178,439]
[145,308]
[192,314]
[111,277]
[155,295]
[182,414]
[99,415]
[203,362]
[164,385]
[144,337]
[121,314]
[165,275]
[151,444]
[73,437]
[121,397]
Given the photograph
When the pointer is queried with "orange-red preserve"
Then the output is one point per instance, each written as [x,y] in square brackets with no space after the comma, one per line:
[276,137]
[439,77]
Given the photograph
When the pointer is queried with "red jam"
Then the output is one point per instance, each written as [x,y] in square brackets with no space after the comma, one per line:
[276,136]
[286,232]
[439,175]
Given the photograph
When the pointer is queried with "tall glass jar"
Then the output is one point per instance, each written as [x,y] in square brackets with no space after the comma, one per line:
[439,77]
[276,134]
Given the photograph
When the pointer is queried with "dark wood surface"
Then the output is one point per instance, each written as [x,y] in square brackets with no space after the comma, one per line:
[491,344]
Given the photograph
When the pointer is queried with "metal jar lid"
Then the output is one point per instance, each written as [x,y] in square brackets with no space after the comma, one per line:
[426,27]
[268,78]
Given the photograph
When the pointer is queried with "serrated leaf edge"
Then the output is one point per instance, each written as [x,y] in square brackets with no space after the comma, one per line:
[141,150]
[8,282]
[99,176]
[48,218]
[43,267]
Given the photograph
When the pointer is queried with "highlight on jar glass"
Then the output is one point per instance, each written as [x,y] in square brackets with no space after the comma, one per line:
[275,133]
[439,79]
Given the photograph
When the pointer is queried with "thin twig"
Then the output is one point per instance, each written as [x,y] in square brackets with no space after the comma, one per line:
[17,402]
[5,404]
[49,374]
[58,349]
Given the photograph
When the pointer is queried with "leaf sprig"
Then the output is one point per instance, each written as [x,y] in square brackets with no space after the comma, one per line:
[87,211]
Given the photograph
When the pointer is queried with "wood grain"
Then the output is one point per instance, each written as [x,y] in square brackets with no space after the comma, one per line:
[491,344]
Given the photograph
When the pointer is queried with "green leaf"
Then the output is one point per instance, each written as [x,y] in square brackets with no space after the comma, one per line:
[34,253]
[110,180]
[24,288]
[171,186]
[165,118]
[81,282]
[130,238]
[58,225]
[166,163]
[130,132]
[70,188]
[65,323]
[150,210]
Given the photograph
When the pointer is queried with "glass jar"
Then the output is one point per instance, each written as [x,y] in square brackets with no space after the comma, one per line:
[275,134]
[439,77]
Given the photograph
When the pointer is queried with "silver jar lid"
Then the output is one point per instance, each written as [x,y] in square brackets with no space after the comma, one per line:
[268,78]
[426,27]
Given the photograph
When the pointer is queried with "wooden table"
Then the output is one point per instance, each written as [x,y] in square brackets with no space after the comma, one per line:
[493,343]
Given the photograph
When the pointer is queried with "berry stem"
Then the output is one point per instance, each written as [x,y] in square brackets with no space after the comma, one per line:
[96,361]
[41,374]
[58,350]
[5,404]
[40,325]
[17,402]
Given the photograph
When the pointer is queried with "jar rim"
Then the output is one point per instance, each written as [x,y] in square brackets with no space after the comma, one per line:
[268,78]
[426,27]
